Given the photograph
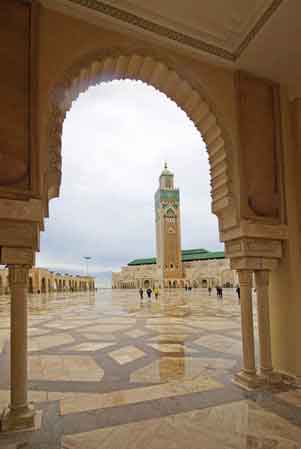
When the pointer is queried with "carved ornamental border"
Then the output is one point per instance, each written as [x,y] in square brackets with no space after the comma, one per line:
[169,33]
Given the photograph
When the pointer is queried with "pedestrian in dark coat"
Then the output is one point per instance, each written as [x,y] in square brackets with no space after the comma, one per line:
[238,292]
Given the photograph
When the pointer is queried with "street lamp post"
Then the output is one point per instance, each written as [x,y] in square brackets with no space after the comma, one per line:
[87,259]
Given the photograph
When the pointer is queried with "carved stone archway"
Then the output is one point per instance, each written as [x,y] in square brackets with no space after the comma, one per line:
[157,74]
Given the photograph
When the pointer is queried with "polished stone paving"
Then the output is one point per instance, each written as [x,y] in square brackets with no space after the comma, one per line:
[111,372]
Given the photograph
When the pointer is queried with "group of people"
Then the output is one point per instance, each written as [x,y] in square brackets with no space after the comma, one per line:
[219,292]
[149,293]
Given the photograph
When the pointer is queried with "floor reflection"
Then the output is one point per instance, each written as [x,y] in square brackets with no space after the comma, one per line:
[112,371]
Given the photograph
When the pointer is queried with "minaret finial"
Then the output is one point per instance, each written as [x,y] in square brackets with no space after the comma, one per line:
[165,165]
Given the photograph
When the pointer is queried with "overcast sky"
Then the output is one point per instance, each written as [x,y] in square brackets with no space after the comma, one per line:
[116,138]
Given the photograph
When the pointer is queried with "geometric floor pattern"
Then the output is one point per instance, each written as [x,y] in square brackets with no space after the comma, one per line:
[109,371]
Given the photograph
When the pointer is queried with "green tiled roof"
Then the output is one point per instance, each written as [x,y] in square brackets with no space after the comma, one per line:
[188,255]
[149,261]
[194,251]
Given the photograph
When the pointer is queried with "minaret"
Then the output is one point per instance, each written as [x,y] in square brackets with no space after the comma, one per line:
[168,229]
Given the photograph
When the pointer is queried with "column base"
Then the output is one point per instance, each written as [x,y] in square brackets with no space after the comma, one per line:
[16,420]
[298,382]
[248,381]
[271,378]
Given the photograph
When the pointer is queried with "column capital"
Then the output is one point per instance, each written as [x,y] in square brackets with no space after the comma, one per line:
[252,253]
[17,256]
[245,277]
[18,275]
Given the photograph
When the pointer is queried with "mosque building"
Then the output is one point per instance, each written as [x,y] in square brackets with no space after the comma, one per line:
[174,267]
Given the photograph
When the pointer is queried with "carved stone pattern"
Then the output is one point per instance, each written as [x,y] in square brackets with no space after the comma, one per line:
[253,263]
[257,27]
[17,256]
[23,234]
[264,246]
[245,278]
[233,247]
[157,74]
[57,117]
[255,229]
[18,210]
[278,231]
[18,275]
[163,31]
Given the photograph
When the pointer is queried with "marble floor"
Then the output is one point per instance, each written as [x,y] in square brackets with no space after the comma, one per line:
[109,371]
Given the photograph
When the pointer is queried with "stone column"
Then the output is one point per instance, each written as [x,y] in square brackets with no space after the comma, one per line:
[20,414]
[248,375]
[263,317]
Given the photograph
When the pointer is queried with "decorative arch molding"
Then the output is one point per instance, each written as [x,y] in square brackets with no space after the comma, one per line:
[167,80]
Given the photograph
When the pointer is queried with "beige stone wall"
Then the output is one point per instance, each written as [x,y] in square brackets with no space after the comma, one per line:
[210,273]
[136,276]
[203,273]
[285,297]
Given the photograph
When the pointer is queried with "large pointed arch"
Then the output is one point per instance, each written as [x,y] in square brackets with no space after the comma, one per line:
[157,74]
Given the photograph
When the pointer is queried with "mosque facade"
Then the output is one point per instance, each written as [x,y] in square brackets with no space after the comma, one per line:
[174,267]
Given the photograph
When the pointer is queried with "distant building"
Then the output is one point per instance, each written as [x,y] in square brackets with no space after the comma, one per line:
[174,267]
[42,280]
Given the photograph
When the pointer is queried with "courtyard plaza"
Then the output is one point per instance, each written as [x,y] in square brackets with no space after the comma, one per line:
[109,371]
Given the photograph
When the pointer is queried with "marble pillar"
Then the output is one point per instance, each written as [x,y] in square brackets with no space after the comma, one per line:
[248,376]
[20,414]
[263,318]
[264,326]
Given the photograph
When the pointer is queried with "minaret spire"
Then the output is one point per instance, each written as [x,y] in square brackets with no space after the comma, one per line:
[166,178]
[168,230]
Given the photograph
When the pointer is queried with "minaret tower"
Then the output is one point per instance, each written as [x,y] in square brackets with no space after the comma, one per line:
[168,230]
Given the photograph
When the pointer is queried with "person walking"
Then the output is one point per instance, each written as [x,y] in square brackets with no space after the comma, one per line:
[221,292]
[156,292]
[149,292]
[238,293]
[141,293]
[209,290]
